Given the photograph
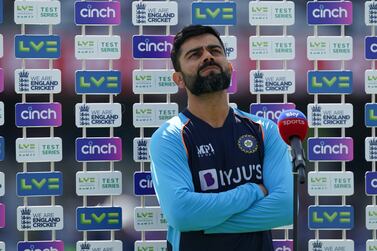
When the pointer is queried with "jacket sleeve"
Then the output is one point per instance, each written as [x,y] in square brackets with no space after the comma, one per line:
[276,209]
[185,209]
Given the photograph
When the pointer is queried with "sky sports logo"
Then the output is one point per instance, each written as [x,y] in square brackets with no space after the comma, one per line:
[330,149]
[97,13]
[152,46]
[330,217]
[40,184]
[329,13]
[40,245]
[98,218]
[99,149]
[39,114]
[214,13]
[37,46]
[270,111]
[143,184]
[98,82]
[330,82]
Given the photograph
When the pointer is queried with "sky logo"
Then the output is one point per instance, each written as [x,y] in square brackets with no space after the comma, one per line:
[270,111]
[329,13]
[97,13]
[2,148]
[371,48]
[330,149]
[38,114]
[98,82]
[214,13]
[371,183]
[330,82]
[40,245]
[30,46]
[40,184]
[152,46]
[143,184]
[98,218]
[330,217]
[99,149]
[370,115]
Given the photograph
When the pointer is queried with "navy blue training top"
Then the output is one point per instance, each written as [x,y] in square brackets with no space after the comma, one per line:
[206,182]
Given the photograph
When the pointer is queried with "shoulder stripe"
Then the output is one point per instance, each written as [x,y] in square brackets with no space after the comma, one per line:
[183,141]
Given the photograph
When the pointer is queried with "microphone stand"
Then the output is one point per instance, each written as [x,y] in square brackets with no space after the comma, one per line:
[299,178]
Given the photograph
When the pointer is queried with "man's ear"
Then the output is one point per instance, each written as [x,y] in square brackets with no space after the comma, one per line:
[230,67]
[178,79]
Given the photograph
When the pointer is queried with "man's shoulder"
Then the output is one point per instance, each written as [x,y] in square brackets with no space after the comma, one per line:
[171,128]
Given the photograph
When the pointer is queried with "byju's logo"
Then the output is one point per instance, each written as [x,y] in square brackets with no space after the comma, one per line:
[282,245]
[143,184]
[152,46]
[97,13]
[98,82]
[98,218]
[270,111]
[208,179]
[370,115]
[40,184]
[38,114]
[331,217]
[332,82]
[40,245]
[34,46]
[214,13]
[330,149]
[329,13]
[371,183]
[99,149]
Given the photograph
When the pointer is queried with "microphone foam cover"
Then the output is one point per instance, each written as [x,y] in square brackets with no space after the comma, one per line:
[292,123]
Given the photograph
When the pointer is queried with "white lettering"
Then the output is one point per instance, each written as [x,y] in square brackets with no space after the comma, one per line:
[99,149]
[330,13]
[154,47]
[328,149]
[98,13]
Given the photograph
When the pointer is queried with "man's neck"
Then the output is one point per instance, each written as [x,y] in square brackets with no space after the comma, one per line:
[212,108]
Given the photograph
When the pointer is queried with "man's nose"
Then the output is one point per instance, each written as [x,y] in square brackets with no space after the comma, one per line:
[207,56]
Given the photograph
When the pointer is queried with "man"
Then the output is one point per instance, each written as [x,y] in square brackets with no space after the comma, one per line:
[222,177]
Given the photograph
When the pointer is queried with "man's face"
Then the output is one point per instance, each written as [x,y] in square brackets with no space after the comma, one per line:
[204,66]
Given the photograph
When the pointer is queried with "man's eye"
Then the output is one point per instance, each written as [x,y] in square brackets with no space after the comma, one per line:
[194,54]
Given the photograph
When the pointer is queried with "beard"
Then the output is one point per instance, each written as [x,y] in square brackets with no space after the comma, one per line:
[213,82]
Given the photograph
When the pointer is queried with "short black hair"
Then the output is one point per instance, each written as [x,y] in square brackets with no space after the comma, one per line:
[186,33]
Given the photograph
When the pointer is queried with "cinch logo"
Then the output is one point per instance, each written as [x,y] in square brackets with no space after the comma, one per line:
[205,150]
[282,245]
[98,149]
[370,114]
[330,149]
[371,183]
[100,13]
[38,114]
[329,13]
[40,184]
[338,82]
[29,46]
[41,246]
[143,184]
[97,218]
[270,111]
[210,13]
[331,217]
[98,82]
[371,47]
[152,46]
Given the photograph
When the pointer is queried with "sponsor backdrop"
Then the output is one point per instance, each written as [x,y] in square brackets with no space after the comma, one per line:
[92,79]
